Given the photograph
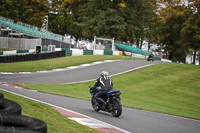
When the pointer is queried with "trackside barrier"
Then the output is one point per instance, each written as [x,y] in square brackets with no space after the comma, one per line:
[120,53]
[12,121]
[116,53]
[157,58]
[44,49]
[77,52]
[68,52]
[9,52]
[98,52]
[106,52]
[31,57]
[31,51]
[87,52]
[165,60]
[58,49]
[22,51]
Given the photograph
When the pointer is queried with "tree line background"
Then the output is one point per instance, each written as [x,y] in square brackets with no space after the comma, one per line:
[174,25]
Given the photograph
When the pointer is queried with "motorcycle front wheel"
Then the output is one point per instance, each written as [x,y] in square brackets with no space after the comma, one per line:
[94,105]
[116,109]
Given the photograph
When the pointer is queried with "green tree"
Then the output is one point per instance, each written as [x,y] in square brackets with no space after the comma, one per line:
[27,11]
[144,11]
[101,18]
[191,30]
[63,15]
[173,17]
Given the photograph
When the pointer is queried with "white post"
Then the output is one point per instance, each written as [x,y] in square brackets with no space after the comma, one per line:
[47,17]
[94,42]
[0,29]
[113,41]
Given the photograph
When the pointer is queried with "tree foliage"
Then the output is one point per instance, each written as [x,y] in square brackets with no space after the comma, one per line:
[191,30]
[172,24]
[27,11]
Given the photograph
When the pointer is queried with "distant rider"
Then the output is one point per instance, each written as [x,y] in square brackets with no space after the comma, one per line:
[151,55]
[105,83]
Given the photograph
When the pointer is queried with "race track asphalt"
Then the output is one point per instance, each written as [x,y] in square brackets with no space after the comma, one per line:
[75,75]
[132,120]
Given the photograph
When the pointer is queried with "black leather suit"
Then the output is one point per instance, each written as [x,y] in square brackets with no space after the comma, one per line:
[105,83]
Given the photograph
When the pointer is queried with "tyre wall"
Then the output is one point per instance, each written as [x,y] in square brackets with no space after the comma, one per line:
[31,57]
[13,122]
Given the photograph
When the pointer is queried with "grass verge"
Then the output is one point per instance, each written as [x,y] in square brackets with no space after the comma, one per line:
[166,88]
[56,123]
[48,64]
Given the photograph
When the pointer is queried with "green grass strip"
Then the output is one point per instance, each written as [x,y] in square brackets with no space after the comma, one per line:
[166,88]
[56,123]
[48,64]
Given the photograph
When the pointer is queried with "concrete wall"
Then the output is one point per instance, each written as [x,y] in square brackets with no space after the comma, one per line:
[19,43]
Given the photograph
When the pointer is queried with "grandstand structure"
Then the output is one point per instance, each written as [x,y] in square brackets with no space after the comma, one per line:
[24,36]
[10,29]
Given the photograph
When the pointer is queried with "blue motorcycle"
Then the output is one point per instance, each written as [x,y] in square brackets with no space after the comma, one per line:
[111,102]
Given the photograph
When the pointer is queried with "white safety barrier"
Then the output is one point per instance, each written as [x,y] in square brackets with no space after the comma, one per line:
[98,52]
[77,52]
[31,50]
[10,52]
[116,53]
[58,49]
[166,60]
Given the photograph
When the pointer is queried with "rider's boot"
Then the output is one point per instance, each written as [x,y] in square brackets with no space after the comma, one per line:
[104,103]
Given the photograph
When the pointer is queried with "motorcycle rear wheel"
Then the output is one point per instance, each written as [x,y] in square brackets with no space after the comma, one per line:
[94,105]
[117,109]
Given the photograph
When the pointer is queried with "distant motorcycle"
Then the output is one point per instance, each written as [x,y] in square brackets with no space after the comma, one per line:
[150,59]
[111,102]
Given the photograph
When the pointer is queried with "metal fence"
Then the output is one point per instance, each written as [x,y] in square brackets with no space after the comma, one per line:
[32,30]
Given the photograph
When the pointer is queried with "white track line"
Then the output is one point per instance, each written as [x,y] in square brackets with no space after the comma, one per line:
[61,69]
[110,75]
[90,119]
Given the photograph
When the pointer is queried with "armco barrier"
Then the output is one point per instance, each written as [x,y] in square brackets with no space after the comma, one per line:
[31,57]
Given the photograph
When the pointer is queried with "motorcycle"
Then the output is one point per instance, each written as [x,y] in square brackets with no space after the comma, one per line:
[111,102]
[150,59]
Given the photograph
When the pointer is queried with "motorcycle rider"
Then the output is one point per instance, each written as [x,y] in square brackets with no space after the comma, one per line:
[151,55]
[106,85]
